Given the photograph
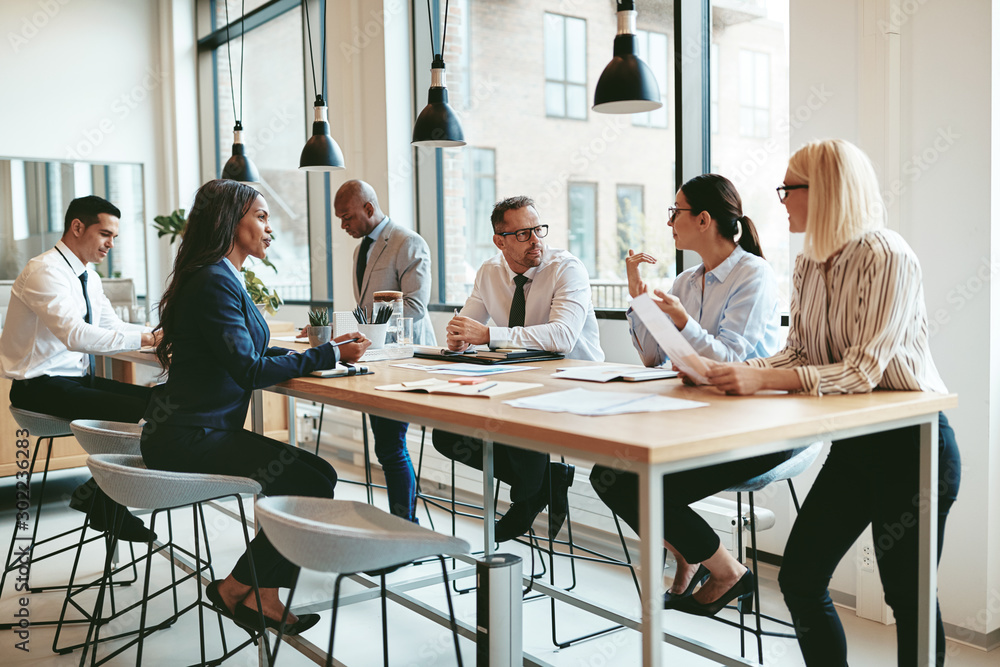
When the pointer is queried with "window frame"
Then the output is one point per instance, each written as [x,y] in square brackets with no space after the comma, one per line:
[318,204]
[756,55]
[564,82]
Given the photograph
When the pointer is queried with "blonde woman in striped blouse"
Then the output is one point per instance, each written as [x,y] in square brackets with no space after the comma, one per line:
[858,324]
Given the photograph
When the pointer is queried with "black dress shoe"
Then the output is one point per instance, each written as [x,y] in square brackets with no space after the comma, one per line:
[671,599]
[742,591]
[250,620]
[100,511]
[518,519]
[561,475]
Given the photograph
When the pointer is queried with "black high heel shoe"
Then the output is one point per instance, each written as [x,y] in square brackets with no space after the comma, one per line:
[671,599]
[250,619]
[212,593]
[742,591]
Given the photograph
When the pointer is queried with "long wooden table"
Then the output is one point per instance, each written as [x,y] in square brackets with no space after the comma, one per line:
[653,444]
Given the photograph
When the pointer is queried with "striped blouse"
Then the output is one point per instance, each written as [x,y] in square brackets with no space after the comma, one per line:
[863,325]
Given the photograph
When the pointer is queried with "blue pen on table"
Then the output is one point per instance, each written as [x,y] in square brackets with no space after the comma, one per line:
[485,387]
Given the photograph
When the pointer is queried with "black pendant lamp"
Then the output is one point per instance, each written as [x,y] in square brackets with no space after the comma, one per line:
[239,167]
[627,84]
[437,125]
[321,152]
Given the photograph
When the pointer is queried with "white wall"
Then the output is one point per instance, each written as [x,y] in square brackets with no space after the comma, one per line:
[89,81]
[945,214]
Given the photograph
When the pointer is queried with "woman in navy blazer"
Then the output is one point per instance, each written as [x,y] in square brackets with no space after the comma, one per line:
[215,347]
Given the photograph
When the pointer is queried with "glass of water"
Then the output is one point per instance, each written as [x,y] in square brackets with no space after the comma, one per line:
[404,330]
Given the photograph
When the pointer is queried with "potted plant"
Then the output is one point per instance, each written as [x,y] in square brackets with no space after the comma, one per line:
[265,299]
[319,327]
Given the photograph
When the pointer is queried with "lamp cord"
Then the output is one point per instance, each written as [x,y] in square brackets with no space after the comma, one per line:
[430,27]
[229,56]
[312,57]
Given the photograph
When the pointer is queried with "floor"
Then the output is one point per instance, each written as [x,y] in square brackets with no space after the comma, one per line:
[414,641]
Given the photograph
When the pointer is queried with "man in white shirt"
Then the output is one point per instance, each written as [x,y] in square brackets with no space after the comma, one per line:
[58,318]
[538,298]
[389,257]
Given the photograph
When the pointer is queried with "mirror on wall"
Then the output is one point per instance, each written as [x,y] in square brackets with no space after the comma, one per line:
[34,195]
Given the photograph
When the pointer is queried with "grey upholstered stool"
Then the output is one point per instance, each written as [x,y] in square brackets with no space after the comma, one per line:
[98,437]
[41,427]
[800,460]
[127,481]
[349,537]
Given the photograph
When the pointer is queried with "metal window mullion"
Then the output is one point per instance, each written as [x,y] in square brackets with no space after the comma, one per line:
[692,94]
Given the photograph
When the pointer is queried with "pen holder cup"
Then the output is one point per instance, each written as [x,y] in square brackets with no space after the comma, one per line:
[376,333]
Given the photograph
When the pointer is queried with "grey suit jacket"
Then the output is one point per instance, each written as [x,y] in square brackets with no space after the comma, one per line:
[399,260]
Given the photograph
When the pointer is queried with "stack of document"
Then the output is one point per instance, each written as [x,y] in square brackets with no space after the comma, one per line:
[599,403]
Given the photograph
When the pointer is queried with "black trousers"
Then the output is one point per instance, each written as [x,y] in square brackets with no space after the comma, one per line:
[683,528]
[523,470]
[82,398]
[281,470]
[872,479]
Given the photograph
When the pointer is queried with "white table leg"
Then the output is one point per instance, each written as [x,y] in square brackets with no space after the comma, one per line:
[651,560]
[489,507]
[257,411]
[927,577]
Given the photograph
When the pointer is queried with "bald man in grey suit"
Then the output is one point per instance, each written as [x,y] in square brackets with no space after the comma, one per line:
[390,257]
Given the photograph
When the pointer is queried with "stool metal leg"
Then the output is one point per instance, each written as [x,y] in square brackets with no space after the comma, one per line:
[451,611]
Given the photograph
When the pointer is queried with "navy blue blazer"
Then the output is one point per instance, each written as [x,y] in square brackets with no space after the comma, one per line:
[220,355]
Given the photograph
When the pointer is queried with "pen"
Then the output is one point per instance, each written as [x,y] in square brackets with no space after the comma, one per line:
[456,312]
[485,387]
[344,342]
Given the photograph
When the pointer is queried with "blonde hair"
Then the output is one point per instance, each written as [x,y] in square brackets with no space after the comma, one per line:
[844,199]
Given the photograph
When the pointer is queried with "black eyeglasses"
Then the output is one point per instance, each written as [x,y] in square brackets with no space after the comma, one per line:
[674,210]
[541,231]
[783,190]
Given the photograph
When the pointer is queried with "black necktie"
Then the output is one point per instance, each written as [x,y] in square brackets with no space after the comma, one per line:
[516,318]
[88,318]
[366,243]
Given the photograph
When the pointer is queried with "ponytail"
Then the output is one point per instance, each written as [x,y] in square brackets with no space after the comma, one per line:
[717,195]
[748,239]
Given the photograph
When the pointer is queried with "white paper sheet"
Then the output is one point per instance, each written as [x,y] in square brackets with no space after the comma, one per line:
[669,338]
[600,403]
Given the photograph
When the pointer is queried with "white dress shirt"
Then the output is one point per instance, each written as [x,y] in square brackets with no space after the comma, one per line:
[862,324]
[45,332]
[558,316]
[734,317]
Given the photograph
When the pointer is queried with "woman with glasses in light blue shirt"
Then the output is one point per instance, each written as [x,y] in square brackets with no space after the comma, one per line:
[727,308]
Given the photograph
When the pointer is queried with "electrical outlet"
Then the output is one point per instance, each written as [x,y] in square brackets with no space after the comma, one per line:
[868,557]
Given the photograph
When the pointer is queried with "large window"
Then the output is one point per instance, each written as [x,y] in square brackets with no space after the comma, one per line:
[631,221]
[521,64]
[481,193]
[565,66]
[274,117]
[751,120]
[583,224]
[603,183]
[755,94]
[654,49]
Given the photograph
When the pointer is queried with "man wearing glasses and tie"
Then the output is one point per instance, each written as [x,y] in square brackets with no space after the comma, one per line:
[58,319]
[538,298]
